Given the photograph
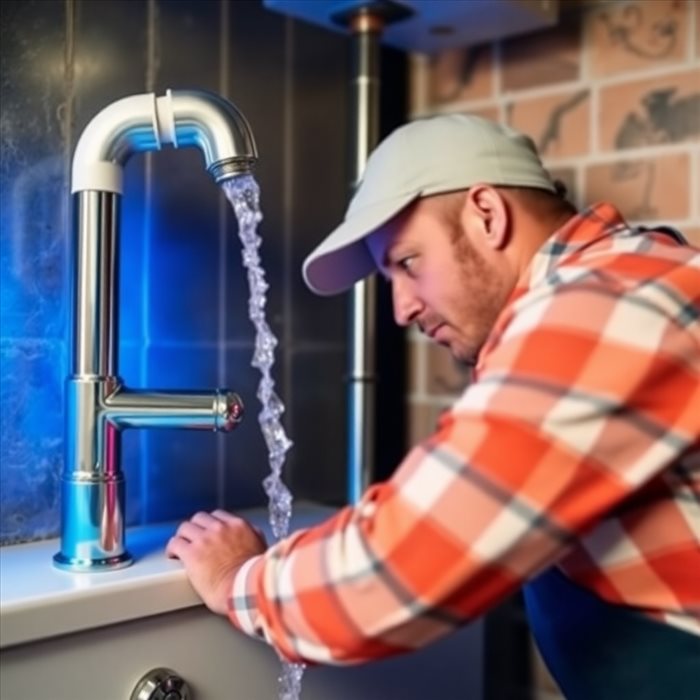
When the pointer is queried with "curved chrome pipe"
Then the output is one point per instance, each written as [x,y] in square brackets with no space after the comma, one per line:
[98,406]
[146,123]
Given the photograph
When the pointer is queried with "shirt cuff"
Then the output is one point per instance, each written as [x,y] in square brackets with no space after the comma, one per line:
[242,607]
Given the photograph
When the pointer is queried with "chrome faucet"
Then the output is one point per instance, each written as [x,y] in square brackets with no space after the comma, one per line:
[98,406]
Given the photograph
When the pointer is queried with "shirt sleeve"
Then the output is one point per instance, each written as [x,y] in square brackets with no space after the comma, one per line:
[582,396]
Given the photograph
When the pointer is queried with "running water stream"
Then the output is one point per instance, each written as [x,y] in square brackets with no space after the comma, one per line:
[244,194]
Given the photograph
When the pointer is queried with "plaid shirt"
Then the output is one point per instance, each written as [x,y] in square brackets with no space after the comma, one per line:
[578,443]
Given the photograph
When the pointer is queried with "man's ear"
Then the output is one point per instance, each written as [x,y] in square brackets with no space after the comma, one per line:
[486,212]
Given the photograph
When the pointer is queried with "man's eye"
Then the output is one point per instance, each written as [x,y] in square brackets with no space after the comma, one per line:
[408,263]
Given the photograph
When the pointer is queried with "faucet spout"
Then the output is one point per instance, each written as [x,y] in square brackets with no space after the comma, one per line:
[98,406]
[212,124]
[181,118]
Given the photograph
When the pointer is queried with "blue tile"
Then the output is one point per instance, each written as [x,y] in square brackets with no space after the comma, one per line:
[110,55]
[33,253]
[183,273]
[254,31]
[135,474]
[134,240]
[181,478]
[31,438]
[245,459]
[190,44]
[199,470]
[184,366]
[320,171]
[132,361]
[33,182]
[180,465]
[318,462]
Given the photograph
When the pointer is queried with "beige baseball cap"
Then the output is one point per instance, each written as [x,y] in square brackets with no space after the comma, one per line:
[422,158]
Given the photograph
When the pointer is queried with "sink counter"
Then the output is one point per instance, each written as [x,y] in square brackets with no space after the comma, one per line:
[77,636]
[39,601]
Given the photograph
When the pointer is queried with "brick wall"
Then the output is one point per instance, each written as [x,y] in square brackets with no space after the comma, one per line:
[611,95]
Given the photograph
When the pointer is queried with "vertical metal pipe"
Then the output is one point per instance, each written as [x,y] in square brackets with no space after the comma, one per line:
[365,30]
[94,334]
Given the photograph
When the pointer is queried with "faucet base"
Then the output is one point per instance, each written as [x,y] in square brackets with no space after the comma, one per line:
[60,561]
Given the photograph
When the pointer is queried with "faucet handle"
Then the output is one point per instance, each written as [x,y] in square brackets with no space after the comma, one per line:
[228,407]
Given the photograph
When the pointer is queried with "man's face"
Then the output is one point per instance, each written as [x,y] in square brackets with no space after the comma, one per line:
[440,281]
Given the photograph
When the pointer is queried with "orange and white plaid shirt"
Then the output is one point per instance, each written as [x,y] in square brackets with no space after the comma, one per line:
[578,443]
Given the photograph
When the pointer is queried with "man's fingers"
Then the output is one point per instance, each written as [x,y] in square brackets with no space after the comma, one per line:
[189,531]
[175,547]
[204,530]
[205,519]
[188,534]
[216,518]
[231,519]
[225,517]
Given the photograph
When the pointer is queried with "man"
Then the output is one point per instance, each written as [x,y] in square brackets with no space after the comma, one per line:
[569,466]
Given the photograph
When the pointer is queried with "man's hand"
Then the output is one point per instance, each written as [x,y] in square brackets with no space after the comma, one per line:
[212,547]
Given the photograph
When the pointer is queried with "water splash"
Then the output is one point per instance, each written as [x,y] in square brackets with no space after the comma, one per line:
[244,194]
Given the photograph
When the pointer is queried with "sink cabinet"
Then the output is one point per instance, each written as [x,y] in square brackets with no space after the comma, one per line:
[218,663]
[67,636]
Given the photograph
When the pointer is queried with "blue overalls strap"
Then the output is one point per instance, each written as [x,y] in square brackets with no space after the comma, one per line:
[599,651]
[668,230]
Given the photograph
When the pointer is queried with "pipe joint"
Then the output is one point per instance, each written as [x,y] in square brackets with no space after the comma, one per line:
[181,118]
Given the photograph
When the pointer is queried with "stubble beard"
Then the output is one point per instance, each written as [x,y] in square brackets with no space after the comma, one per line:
[484,297]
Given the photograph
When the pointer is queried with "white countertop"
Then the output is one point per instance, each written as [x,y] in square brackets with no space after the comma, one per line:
[38,601]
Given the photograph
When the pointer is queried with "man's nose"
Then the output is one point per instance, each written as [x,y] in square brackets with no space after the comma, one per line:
[407,306]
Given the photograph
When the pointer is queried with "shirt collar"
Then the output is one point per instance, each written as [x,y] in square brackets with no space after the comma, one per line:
[580,231]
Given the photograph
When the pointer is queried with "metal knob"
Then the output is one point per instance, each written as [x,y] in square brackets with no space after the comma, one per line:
[161,684]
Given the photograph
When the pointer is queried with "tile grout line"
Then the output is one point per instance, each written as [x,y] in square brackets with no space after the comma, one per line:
[288,226]
[223,220]
[152,65]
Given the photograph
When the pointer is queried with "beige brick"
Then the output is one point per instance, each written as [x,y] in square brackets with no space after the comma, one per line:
[546,57]
[646,112]
[491,112]
[559,124]
[692,234]
[422,421]
[643,189]
[444,374]
[637,35]
[460,75]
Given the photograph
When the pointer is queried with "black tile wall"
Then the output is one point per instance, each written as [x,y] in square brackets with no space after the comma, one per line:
[319,176]
[256,80]
[182,292]
[319,454]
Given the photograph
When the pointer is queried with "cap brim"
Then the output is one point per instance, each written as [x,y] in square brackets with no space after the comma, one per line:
[343,259]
